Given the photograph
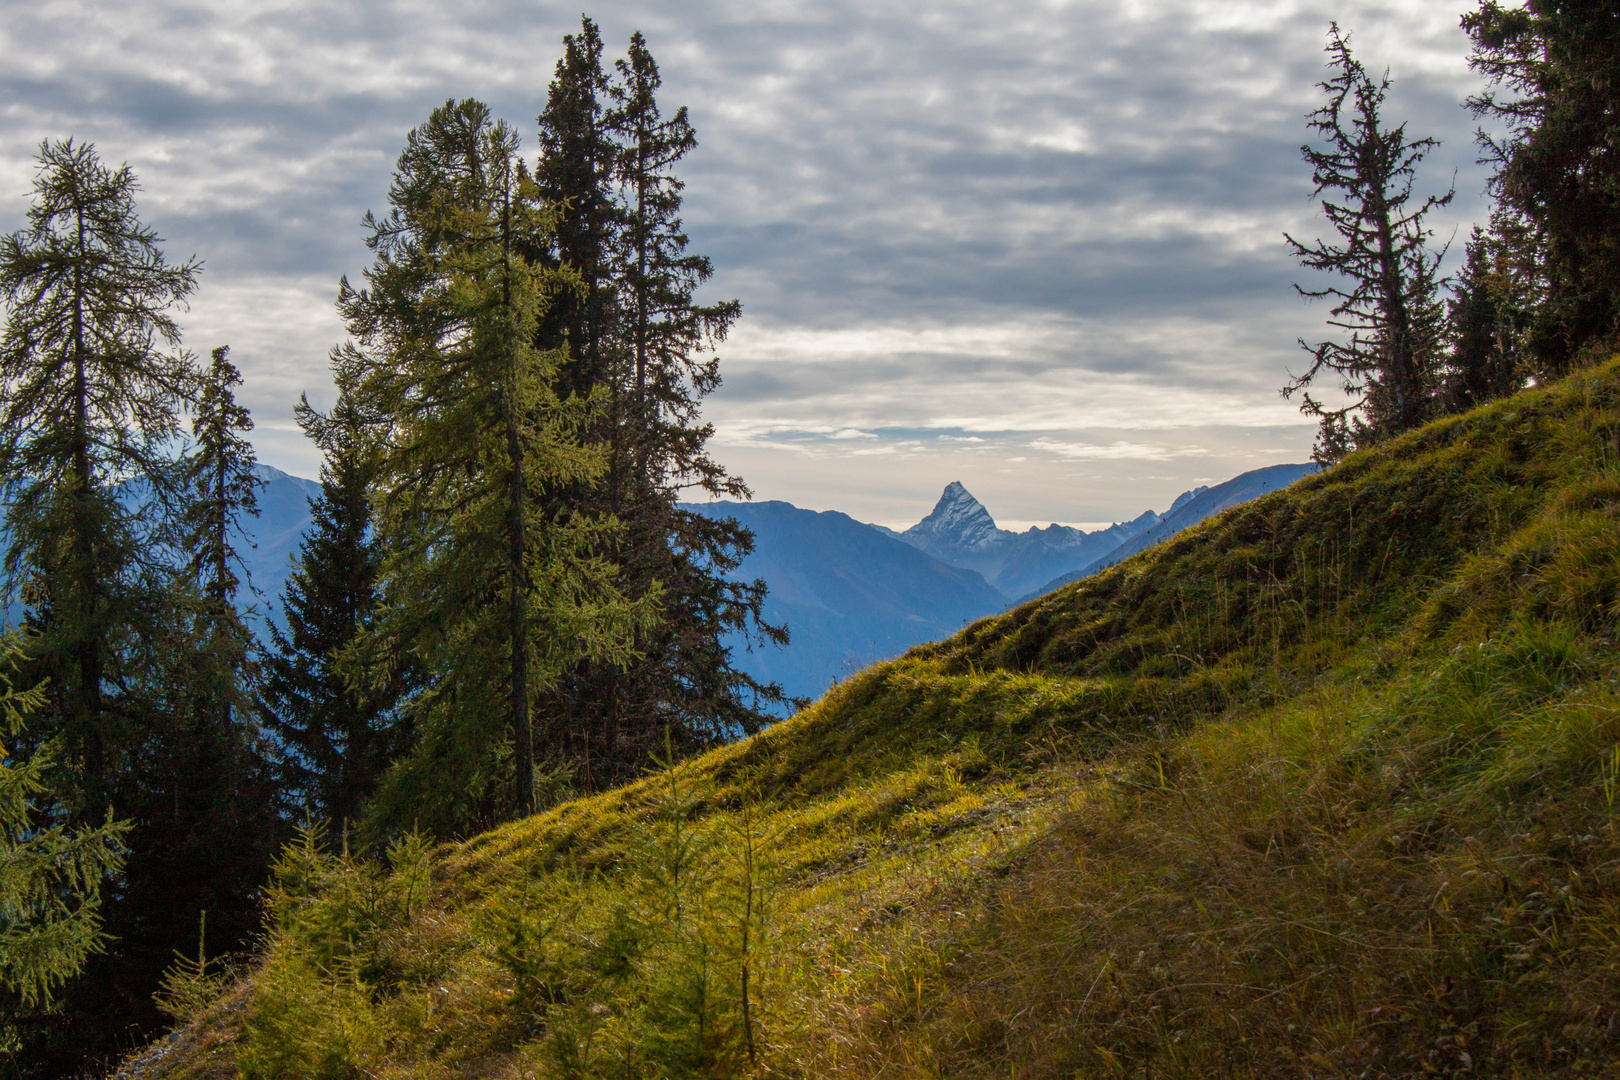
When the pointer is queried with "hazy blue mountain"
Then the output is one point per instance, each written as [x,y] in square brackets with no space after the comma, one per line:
[959,531]
[283,516]
[1187,511]
[848,593]
[266,543]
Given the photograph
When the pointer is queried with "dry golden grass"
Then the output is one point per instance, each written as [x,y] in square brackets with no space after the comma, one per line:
[1325,787]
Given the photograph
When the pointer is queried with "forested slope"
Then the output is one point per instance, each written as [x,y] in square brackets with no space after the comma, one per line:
[1324,786]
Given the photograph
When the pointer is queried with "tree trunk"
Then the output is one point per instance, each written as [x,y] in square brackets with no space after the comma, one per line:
[90,706]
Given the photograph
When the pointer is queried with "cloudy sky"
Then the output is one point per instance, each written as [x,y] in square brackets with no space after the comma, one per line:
[1032,246]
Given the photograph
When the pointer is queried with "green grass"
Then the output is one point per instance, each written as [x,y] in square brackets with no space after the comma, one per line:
[1324,787]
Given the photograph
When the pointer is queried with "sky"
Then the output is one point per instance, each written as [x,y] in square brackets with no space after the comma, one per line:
[1032,246]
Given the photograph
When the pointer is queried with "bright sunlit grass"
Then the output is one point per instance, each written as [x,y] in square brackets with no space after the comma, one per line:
[1323,787]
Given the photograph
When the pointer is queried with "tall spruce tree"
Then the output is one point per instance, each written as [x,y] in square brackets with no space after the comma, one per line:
[205,820]
[1487,317]
[1390,307]
[609,159]
[221,488]
[335,741]
[484,587]
[575,176]
[1557,164]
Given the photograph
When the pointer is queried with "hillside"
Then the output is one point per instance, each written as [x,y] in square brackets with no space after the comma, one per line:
[1324,786]
[1188,510]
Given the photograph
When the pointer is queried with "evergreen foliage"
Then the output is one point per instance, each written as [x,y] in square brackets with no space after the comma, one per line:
[51,878]
[206,810]
[1556,162]
[220,489]
[637,335]
[1390,307]
[335,740]
[575,177]
[1486,321]
[92,402]
[484,587]
[141,655]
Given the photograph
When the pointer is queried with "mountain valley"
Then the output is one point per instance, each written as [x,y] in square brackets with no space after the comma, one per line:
[850,593]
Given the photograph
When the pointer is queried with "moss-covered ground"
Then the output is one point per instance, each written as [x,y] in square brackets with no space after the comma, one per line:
[1324,787]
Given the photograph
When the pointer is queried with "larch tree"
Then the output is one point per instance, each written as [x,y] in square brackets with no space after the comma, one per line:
[51,879]
[94,382]
[98,496]
[1389,306]
[490,592]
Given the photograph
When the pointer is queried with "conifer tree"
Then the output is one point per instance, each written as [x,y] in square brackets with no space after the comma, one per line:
[93,381]
[50,878]
[204,815]
[335,741]
[1390,306]
[1487,317]
[221,488]
[485,589]
[1557,166]
[645,343]
[575,176]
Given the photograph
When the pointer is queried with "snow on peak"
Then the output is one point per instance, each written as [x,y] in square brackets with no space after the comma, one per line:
[958,519]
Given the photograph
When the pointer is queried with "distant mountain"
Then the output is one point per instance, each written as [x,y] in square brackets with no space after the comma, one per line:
[1187,511]
[266,543]
[959,531]
[849,593]
[283,517]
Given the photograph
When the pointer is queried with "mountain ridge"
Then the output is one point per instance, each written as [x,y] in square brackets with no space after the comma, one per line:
[1189,509]
[959,531]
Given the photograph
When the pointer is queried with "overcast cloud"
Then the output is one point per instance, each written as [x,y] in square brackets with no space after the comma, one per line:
[1035,247]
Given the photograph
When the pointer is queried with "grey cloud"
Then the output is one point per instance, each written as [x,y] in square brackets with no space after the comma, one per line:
[875,164]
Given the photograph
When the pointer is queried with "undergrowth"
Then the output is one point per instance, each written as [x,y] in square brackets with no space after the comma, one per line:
[1324,787]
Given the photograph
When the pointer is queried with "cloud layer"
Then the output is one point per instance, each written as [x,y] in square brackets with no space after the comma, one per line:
[1032,246]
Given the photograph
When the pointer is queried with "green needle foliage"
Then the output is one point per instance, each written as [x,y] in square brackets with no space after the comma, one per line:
[1556,163]
[487,590]
[335,739]
[94,381]
[50,878]
[221,490]
[1487,319]
[120,543]
[636,335]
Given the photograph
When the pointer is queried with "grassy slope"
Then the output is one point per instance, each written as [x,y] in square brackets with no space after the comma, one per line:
[1322,787]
